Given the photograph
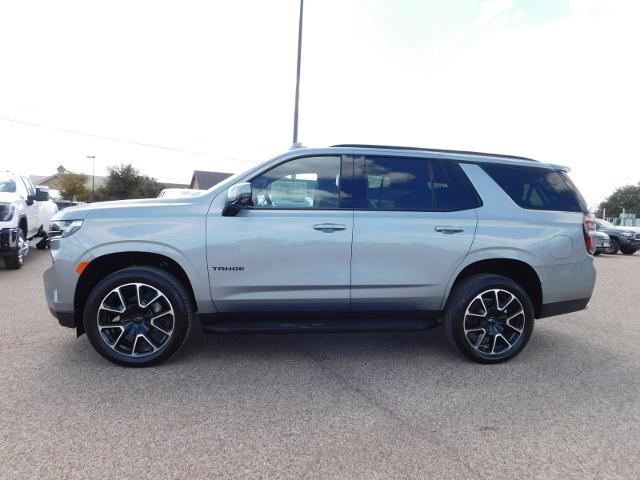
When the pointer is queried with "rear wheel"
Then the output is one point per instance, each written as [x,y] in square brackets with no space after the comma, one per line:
[138,316]
[15,260]
[614,248]
[488,318]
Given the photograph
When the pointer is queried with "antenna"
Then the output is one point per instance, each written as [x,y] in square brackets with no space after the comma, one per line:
[295,108]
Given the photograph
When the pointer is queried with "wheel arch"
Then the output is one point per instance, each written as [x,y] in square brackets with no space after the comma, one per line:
[109,263]
[517,270]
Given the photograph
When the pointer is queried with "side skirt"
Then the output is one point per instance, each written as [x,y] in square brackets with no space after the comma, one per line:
[310,322]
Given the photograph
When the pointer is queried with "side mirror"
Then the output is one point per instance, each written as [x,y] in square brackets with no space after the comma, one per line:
[238,197]
[42,194]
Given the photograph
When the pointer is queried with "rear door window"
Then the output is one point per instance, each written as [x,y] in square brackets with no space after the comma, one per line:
[537,188]
[397,183]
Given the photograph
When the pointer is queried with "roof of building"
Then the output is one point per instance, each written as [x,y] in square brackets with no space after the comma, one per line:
[205,180]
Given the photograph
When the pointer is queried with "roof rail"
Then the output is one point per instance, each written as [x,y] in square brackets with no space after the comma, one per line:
[436,150]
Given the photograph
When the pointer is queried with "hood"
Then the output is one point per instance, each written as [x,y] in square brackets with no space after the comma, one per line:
[126,207]
[601,235]
[8,197]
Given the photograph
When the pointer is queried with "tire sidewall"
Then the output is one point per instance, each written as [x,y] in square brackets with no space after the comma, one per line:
[461,301]
[165,283]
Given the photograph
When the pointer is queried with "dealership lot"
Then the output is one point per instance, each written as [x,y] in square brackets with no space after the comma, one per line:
[366,405]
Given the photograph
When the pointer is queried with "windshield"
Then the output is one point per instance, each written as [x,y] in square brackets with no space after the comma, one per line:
[605,224]
[7,183]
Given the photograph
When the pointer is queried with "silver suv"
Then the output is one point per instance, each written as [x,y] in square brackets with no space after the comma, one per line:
[348,237]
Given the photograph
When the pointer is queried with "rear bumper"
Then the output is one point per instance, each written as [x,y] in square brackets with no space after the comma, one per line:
[8,240]
[566,287]
[560,308]
[65,319]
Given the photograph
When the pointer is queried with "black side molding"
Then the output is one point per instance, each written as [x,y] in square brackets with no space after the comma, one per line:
[560,308]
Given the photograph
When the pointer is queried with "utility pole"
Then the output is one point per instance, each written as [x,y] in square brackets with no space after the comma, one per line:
[295,109]
[93,175]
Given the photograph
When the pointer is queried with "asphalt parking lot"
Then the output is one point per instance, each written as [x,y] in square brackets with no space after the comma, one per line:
[366,405]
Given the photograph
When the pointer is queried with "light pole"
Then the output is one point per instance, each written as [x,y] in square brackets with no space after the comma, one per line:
[93,175]
[295,108]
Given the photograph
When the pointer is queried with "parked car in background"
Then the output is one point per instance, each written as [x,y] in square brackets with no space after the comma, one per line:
[25,214]
[346,237]
[179,192]
[62,204]
[622,240]
[601,243]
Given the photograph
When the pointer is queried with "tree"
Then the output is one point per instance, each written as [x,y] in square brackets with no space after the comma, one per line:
[125,182]
[73,186]
[627,197]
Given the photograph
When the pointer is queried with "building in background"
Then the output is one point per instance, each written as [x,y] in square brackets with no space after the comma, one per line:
[202,180]
[52,181]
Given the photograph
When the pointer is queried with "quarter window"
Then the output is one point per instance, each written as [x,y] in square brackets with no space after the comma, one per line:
[310,182]
[537,188]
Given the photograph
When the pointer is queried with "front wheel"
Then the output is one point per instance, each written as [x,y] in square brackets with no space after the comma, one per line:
[488,318]
[15,260]
[138,317]
[628,251]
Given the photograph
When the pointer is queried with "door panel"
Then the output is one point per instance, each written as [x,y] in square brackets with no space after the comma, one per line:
[287,263]
[292,249]
[404,248]
[402,261]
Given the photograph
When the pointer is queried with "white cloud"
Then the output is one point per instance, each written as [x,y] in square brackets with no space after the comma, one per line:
[491,10]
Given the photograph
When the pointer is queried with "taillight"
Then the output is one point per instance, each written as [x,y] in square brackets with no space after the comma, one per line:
[589,228]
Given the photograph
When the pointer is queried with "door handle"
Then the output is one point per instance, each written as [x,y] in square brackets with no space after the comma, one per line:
[329,227]
[449,229]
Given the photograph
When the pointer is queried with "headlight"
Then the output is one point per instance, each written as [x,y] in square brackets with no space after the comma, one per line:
[627,234]
[64,228]
[6,211]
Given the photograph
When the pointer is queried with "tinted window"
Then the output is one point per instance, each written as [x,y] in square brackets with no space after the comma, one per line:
[537,188]
[310,182]
[443,190]
[7,183]
[466,193]
[395,183]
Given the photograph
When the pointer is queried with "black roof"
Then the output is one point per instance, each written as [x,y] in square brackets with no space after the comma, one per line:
[436,150]
[206,179]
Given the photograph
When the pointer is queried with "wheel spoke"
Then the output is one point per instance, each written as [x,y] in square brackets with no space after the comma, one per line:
[161,330]
[148,340]
[135,343]
[159,295]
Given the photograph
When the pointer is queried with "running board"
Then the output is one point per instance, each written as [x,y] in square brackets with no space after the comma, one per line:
[266,326]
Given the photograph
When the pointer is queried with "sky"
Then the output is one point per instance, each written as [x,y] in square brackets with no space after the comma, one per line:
[176,86]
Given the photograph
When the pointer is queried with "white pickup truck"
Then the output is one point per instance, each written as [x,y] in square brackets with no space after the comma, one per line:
[25,214]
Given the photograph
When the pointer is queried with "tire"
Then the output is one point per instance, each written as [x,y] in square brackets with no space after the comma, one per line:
[628,251]
[150,311]
[15,260]
[498,335]
[614,248]
[596,253]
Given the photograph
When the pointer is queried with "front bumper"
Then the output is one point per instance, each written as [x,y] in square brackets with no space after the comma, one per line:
[8,240]
[59,307]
